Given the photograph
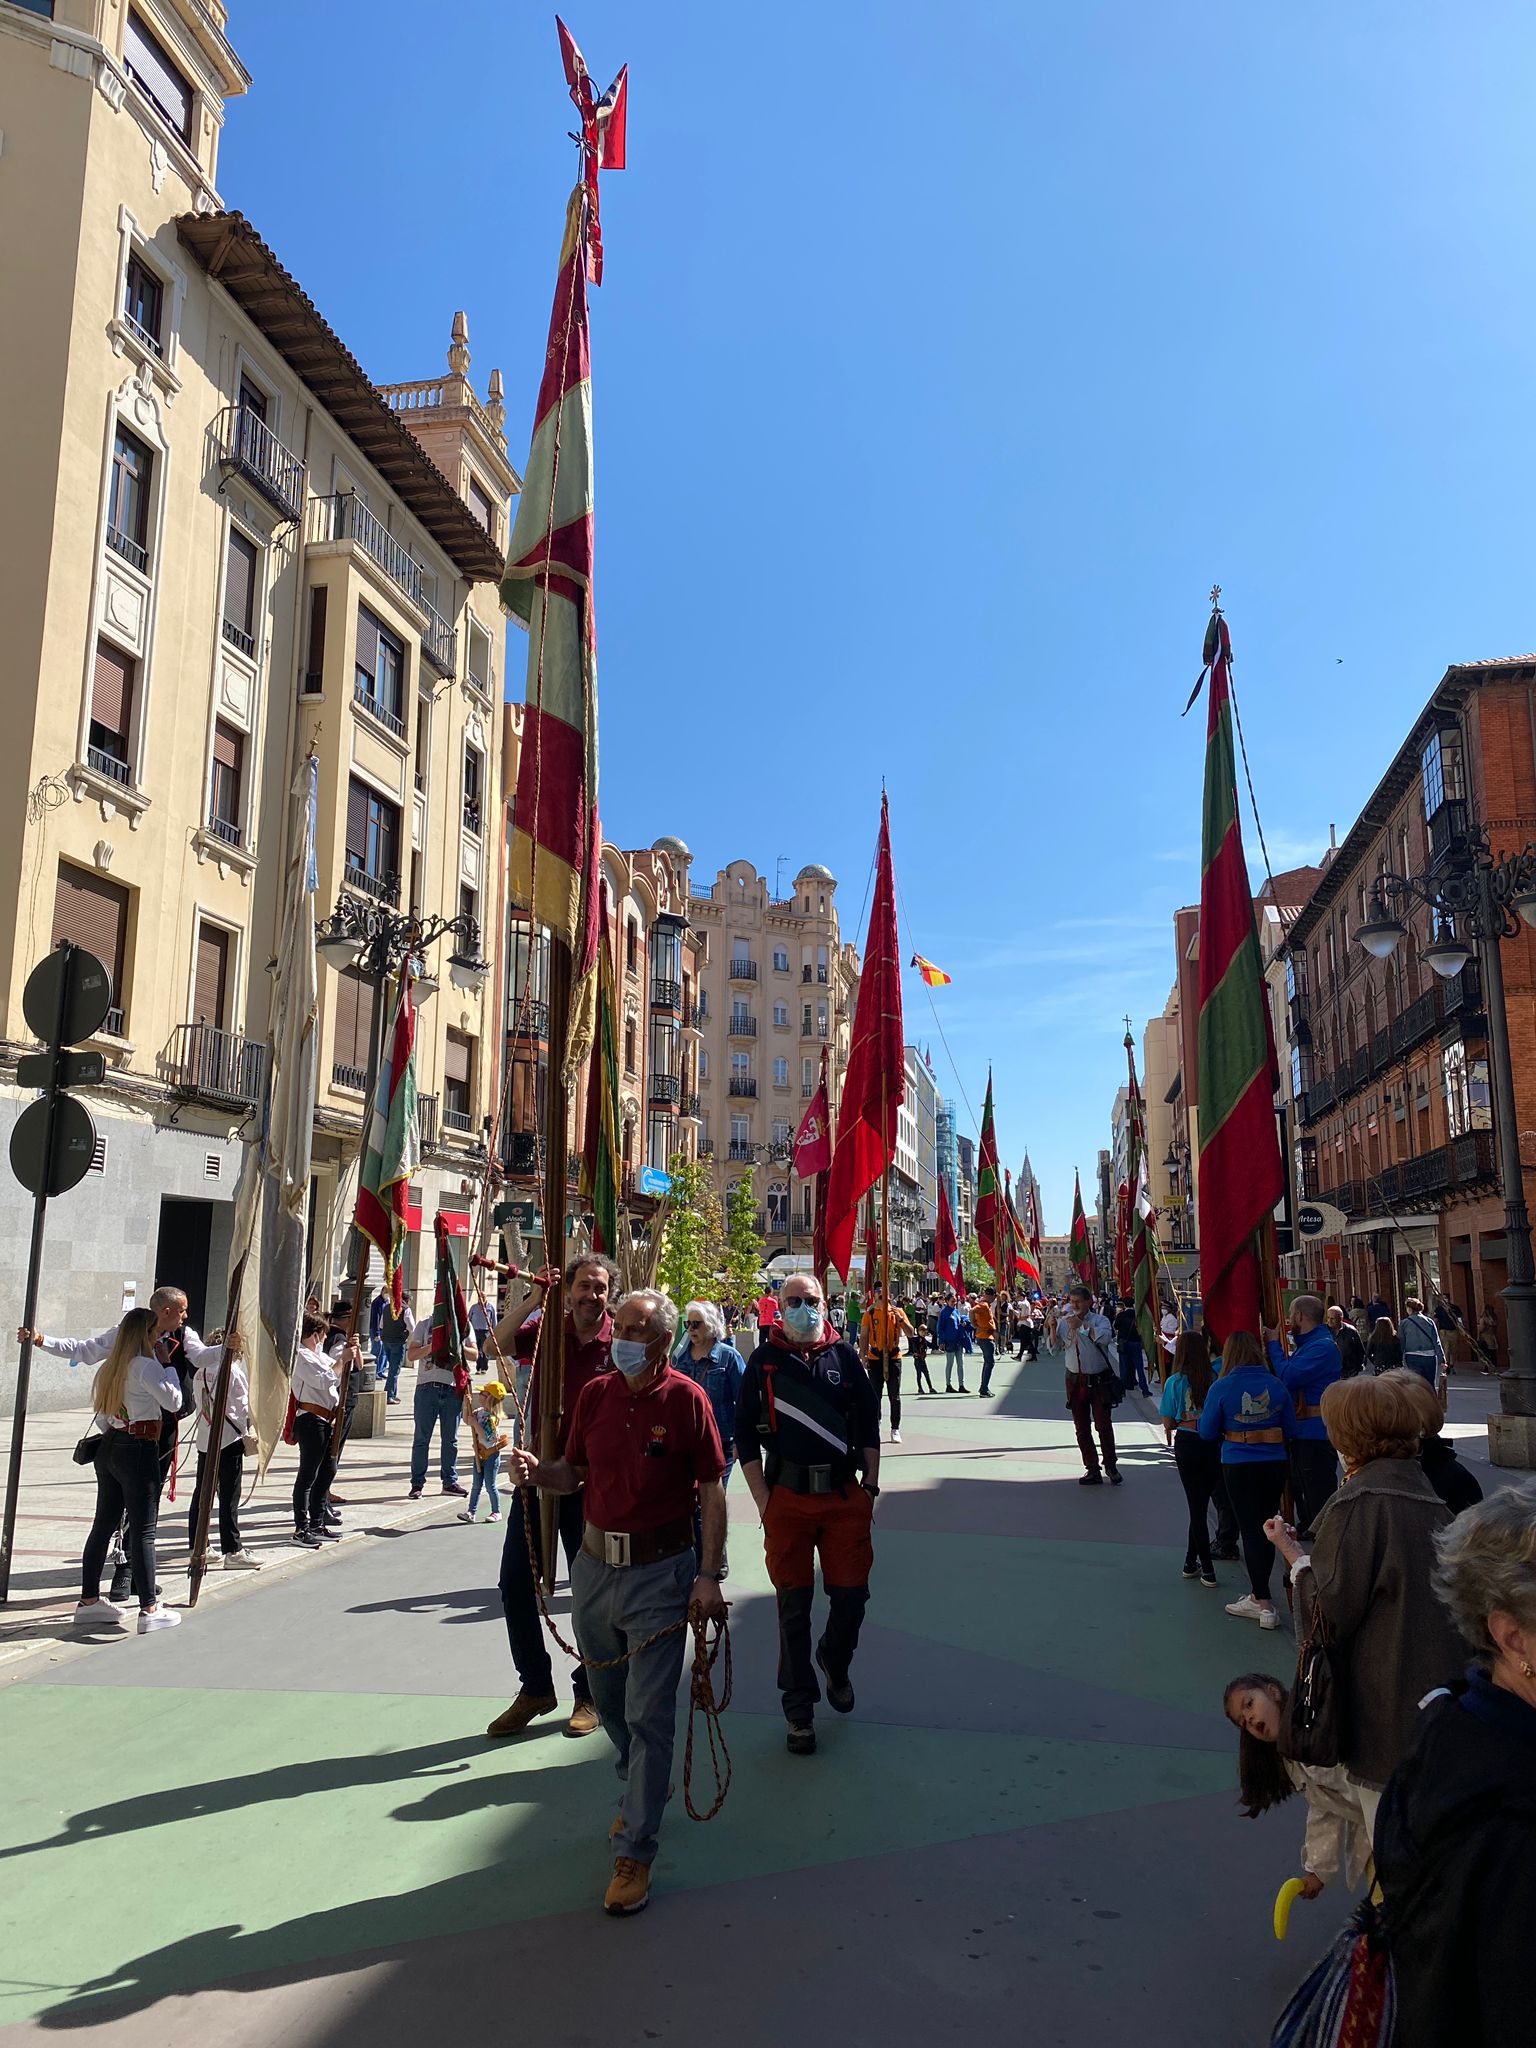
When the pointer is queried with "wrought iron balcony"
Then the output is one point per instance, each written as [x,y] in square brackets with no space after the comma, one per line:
[344,1076]
[741,1150]
[691,1105]
[520,1152]
[132,551]
[439,643]
[344,516]
[248,447]
[458,1120]
[109,765]
[665,1088]
[743,970]
[382,888]
[742,1027]
[205,1064]
[472,815]
[666,995]
[226,829]
[238,637]
[706,1148]
[363,697]
[743,1084]
[528,1020]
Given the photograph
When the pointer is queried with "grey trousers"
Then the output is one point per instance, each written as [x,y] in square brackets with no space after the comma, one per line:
[636,1701]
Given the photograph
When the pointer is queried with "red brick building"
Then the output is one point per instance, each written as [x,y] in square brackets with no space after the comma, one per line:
[1388,1062]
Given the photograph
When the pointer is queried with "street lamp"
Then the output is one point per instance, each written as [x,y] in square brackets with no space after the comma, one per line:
[1486,900]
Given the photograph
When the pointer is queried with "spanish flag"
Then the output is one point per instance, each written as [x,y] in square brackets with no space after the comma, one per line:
[934,976]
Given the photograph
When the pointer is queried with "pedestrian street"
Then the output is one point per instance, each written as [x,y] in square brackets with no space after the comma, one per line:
[284,1822]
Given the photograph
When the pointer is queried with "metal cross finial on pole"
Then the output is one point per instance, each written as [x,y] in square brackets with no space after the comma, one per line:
[1215,597]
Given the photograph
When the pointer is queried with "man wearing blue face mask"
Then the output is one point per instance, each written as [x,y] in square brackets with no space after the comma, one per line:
[808,1442]
[643,1446]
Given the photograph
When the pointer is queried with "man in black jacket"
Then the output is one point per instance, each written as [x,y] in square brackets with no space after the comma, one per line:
[808,1442]
[1347,1337]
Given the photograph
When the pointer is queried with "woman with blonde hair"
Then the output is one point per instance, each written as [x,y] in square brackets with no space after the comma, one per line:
[131,1393]
[1368,1574]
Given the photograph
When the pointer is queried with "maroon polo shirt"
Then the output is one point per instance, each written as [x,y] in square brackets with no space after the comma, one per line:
[645,1454]
[583,1363]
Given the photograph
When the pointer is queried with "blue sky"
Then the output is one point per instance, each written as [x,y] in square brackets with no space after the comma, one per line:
[947,355]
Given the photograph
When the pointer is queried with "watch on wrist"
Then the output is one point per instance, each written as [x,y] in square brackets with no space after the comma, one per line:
[716,1576]
[872,1491]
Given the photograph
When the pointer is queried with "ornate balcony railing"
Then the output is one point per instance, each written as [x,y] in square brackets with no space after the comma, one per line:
[248,447]
[209,1065]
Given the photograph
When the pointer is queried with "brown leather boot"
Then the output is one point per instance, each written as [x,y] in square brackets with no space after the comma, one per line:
[525,1708]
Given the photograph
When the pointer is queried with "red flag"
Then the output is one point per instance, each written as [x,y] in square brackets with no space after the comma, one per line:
[604,124]
[876,1078]
[613,121]
[1242,1175]
[988,1192]
[945,1244]
[812,1151]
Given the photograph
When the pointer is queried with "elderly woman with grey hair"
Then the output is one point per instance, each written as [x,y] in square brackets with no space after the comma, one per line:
[1456,1833]
[708,1357]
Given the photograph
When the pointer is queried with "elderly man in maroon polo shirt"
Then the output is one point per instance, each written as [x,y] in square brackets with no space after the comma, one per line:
[588,1332]
[643,1446]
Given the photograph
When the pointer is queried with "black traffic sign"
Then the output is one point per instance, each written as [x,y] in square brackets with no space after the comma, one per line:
[73,1069]
[67,996]
[74,1145]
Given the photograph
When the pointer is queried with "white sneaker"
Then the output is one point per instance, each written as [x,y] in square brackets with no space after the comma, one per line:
[895,1436]
[240,1561]
[465,1516]
[99,1614]
[1268,1618]
[158,1617]
[1246,1609]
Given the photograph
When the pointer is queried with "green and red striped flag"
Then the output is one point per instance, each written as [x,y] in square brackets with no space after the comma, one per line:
[1143,1218]
[555,859]
[1241,1173]
[1020,1260]
[392,1147]
[450,1317]
[600,1152]
[1080,1245]
[986,1216]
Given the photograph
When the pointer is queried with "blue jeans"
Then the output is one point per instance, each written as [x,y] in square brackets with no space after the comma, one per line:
[387,1368]
[485,1479]
[954,1368]
[436,1407]
[613,1607]
[1133,1364]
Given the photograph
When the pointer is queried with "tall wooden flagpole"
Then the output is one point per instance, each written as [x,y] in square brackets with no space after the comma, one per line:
[549,1355]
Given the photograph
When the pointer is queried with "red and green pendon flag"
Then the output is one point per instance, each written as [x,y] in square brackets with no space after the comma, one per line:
[1080,1245]
[554,863]
[986,1216]
[600,1147]
[1142,1217]
[1023,1261]
[392,1145]
[450,1317]
[1241,1172]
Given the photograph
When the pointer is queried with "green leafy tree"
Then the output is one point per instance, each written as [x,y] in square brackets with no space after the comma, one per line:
[693,1239]
[975,1268]
[743,1242]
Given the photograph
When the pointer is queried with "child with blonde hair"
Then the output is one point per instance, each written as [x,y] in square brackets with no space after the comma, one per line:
[490,1436]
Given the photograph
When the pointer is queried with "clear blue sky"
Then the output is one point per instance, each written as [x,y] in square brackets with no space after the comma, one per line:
[947,355]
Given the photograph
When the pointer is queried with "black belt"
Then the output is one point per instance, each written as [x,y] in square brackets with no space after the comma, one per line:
[644,1546]
[807,1478]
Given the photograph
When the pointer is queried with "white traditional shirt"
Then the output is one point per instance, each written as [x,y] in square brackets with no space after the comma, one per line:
[207,1358]
[1091,1349]
[151,1390]
[315,1379]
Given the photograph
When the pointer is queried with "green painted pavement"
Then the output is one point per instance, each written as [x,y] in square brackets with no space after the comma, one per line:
[377,1819]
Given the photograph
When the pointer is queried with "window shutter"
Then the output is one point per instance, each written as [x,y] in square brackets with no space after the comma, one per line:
[357,823]
[93,912]
[367,640]
[345,1036]
[112,689]
[151,66]
[211,980]
[240,582]
[314,670]
[228,746]
[456,1058]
